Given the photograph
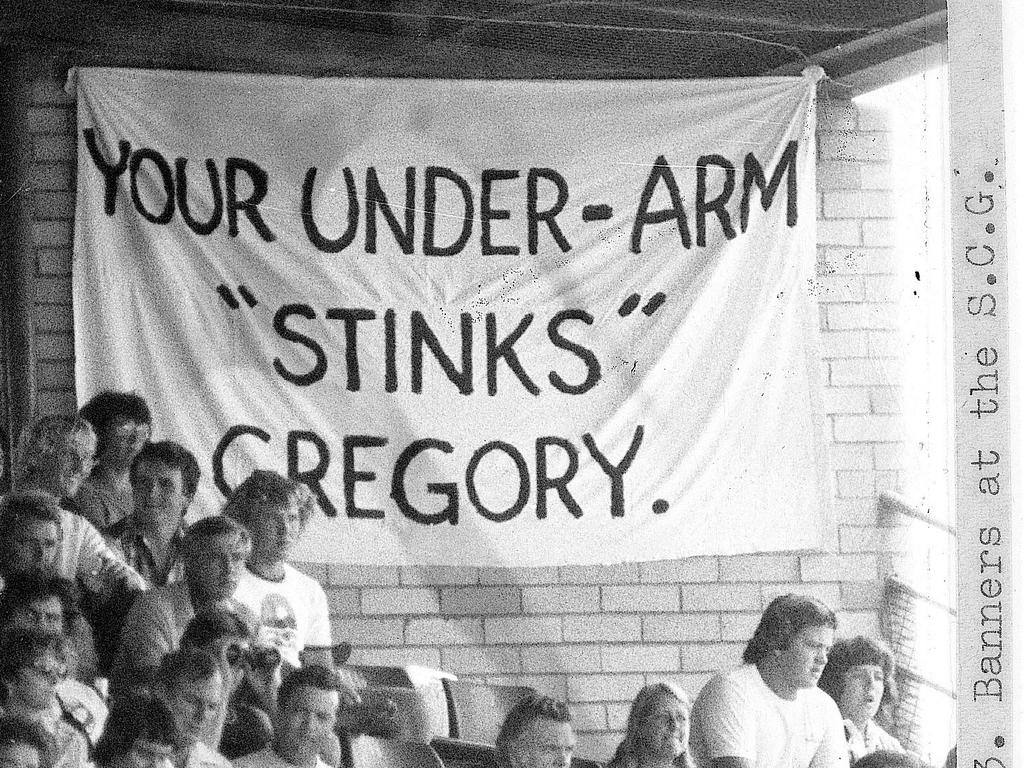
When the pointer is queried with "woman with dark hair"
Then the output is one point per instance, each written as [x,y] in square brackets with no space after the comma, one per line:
[141,733]
[859,677]
[32,665]
[123,423]
[23,744]
[657,730]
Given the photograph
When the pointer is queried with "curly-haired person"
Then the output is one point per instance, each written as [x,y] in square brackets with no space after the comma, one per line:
[290,606]
[859,677]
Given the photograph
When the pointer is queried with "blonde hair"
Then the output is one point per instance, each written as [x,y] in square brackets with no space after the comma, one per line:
[628,753]
[41,443]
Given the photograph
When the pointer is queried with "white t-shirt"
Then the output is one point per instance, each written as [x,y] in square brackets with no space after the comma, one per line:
[268,758]
[871,739]
[202,756]
[737,715]
[292,613]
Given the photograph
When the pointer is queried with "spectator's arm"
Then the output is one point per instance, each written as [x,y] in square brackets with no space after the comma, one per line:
[98,561]
[722,725]
[146,637]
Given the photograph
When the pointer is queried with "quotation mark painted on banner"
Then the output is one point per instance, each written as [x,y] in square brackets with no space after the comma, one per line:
[633,300]
[231,301]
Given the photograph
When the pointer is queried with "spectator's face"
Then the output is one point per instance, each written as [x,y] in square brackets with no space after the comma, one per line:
[124,440]
[216,567]
[666,729]
[35,685]
[19,755]
[34,547]
[159,491]
[863,685]
[148,754]
[74,462]
[803,661]
[45,613]
[195,704]
[305,720]
[543,743]
[274,533]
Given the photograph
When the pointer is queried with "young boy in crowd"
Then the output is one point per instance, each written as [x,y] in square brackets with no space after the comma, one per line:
[291,607]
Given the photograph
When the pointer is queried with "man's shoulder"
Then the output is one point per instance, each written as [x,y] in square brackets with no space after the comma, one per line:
[816,700]
[299,583]
[295,576]
[203,756]
[172,599]
[741,676]
[72,521]
[726,685]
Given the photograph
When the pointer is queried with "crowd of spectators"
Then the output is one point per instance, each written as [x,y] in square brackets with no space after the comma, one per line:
[129,639]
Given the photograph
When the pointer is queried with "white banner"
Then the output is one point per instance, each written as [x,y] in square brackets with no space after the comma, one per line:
[490,323]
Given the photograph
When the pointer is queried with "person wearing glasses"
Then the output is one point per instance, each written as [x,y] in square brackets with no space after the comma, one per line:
[33,663]
[50,603]
[141,733]
[252,676]
[123,423]
[214,551]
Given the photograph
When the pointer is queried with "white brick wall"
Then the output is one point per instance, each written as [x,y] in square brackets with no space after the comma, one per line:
[596,634]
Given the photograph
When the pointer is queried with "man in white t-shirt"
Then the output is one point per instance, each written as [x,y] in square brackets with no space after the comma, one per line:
[291,607]
[770,713]
[307,704]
